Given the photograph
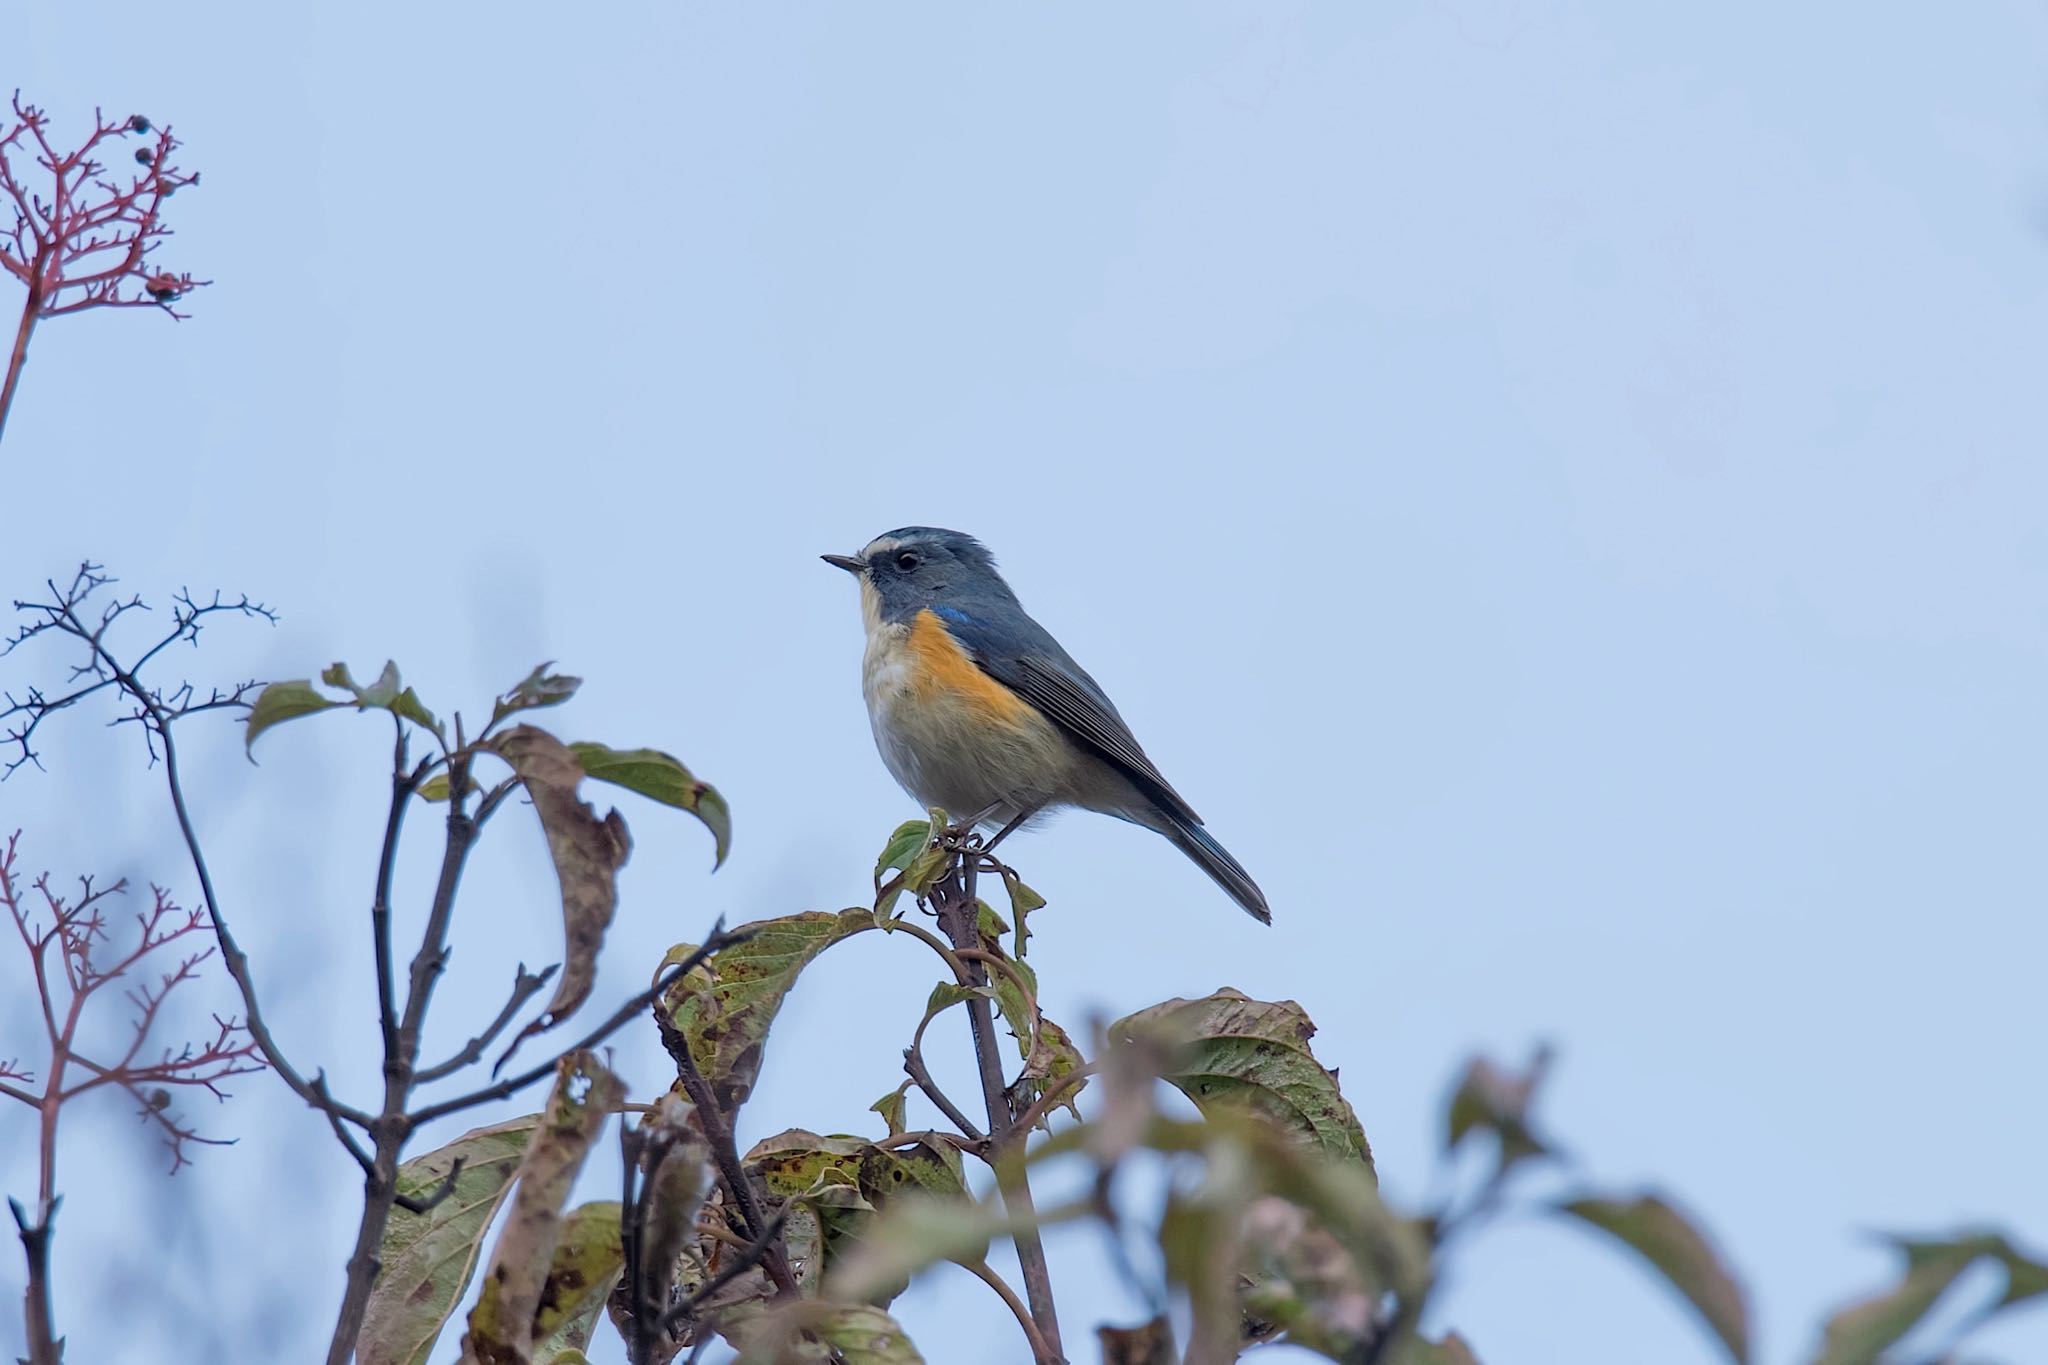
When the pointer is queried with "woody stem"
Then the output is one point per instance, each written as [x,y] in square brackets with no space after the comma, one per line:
[954,900]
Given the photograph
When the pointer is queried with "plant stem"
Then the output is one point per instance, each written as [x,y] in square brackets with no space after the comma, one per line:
[725,1155]
[31,310]
[954,900]
[43,1346]
[392,1126]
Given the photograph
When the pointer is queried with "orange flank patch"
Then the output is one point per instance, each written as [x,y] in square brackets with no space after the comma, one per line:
[944,671]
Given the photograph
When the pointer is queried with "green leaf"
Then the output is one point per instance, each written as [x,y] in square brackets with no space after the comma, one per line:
[380,693]
[796,1160]
[1051,1054]
[1861,1332]
[428,1258]
[845,1180]
[894,1108]
[926,1168]
[922,1172]
[1248,1157]
[909,1235]
[388,693]
[2025,1277]
[915,850]
[435,788]
[806,1330]
[540,688]
[1490,1098]
[990,925]
[906,843]
[409,705]
[1228,1051]
[1023,900]
[587,1263]
[1669,1242]
[280,702]
[820,1174]
[724,1014]
[947,994]
[1199,1246]
[663,778]
[501,1325]
[587,853]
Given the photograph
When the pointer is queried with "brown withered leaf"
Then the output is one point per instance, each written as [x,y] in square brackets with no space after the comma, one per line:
[501,1325]
[588,854]
[1151,1344]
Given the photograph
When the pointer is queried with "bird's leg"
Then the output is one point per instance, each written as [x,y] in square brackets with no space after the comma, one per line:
[960,831]
[1004,832]
[981,856]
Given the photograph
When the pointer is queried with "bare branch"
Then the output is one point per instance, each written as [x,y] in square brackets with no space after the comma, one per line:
[736,1265]
[719,938]
[426,1202]
[65,615]
[88,244]
[525,986]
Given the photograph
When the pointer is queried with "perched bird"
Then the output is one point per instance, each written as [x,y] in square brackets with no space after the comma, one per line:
[978,711]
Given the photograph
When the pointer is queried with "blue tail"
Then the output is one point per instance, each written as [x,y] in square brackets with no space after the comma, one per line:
[1214,859]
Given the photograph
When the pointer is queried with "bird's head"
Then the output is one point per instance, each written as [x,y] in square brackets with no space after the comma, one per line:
[915,567]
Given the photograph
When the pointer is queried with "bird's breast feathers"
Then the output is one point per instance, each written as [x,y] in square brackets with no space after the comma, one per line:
[919,665]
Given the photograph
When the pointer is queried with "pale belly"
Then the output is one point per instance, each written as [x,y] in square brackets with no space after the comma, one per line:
[950,754]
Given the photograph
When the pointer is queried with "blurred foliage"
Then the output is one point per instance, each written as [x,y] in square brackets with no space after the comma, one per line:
[1272,1230]
[1271,1226]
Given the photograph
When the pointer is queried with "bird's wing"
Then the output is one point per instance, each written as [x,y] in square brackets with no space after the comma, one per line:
[1027,660]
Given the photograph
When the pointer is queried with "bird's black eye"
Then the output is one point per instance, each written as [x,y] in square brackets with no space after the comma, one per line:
[908,561]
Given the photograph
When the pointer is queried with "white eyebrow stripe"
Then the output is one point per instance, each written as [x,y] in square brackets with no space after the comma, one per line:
[881,545]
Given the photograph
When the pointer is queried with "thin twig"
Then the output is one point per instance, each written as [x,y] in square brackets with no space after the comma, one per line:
[423,1203]
[342,1134]
[724,1154]
[1054,1095]
[914,1067]
[1041,1351]
[745,1259]
[525,985]
[65,611]
[402,787]
[512,1085]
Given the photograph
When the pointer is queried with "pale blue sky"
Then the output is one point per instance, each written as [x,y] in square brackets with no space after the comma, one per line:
[1549,481]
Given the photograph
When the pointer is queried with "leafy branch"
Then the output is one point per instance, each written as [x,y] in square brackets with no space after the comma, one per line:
[1272,1226]
[587,852]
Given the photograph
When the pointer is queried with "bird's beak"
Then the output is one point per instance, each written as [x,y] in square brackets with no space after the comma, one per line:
[846,562]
